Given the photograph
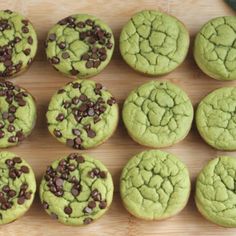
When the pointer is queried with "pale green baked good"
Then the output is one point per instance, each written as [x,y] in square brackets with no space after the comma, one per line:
[17,187]
[17,114]
[83,114]
[157,114]
[215,195]
[154,185]
[80,46]
[153,42]
[215,48]
[18,43]
[76,190]
[216,119]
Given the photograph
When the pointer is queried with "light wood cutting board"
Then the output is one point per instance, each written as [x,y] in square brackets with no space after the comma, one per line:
[40,148]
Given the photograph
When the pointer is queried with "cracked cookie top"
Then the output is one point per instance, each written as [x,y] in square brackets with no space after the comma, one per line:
[158,114]
[154,185]
[215,48]
[17,187]
[80,46]
[154,43]
[216,118]
[17,114]
[215,194]
[76,189]
[18,43]
[83,114]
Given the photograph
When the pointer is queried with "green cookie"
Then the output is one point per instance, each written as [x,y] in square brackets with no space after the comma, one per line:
[215,195]
[76,190]
[215,48]
[18,43]
[158,114]
[17,187]
[154,185]
[216,119]
[83,114]
[154,43]
[17,114]
[80,46]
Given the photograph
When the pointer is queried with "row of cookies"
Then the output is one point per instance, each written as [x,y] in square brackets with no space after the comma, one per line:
[83,114]
[154,185]
[152,42]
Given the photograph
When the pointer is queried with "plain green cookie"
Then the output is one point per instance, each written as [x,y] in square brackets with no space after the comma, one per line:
[216,118]
[18,43]
[154,43]
[76,189]
[157,114]
[215,195]
[83,114]
[215,48]
[80,46]
[17,114]
[17,187]
[154,185]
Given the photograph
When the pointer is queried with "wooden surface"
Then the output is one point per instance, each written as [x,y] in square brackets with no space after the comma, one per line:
[40,148]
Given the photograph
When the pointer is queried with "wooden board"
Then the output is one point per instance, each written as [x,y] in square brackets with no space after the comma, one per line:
[41,149]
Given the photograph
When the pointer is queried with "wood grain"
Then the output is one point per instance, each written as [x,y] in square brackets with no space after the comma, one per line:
[41,80]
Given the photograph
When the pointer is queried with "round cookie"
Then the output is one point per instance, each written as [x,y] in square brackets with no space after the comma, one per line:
[215,48]
[83,114]
[215,118]
[80,46]
[76,190]
[157,114]
[215,195]
[154,185]
[17,187]
[18,43]
[154,43]
[17,114]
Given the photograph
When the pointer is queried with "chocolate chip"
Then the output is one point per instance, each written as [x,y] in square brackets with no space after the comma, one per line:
[85,57]
[5,115]
[91,174]
[92,204]
[25,22]
[45,205]
[12,139]
[96,119]
[76,85]
[71,167]
[57,133]
[92,40]
[60,117]
[21,200]
[74,72]
[21,102]
[62,45]
[28,195]
[55,60]
[109,45]
[68,210]
[17,160]
[76,132]
[83,97]
[70,142]
[88,220]
[89,64]
[7,63]
[12,193]
[96,64]
[12,174]
[66,104]
[12,109]
[60,91]
[80,24]
[27,51]
[5,188]
[87,210]
[74,192]
[52,37]
[103,57]
[11,128]
[59,182]
[102,51]
[25,169]
[1,125]
[25,29]
[96,171]
[9,162]
[65,55]
[2,134]
[30,40]
[83,107]
[91,133]
[80,159]
[103,174]
[82,35]
[75,100]
[20,135]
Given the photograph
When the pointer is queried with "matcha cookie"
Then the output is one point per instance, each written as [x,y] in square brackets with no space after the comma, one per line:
[80,46]
[158,114]
[76,190]
[154,43]
[18,43]
[17,187]
[154,185]
[83,114]
[215,48]
[215,195]
[17,114]
[216,118]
